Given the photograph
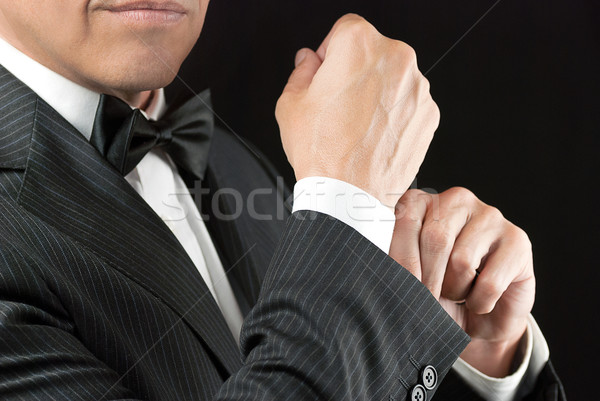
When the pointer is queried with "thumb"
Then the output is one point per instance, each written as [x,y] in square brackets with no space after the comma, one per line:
[307,63]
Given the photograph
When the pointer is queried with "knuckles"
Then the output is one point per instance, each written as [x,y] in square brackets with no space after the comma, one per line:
[461,262]
[494,213]
[409,219]
[355,30]
[436,239]
[519,238]
[413,194]
[403,52]
[352,27]
[407,208]
[460,195]
[489,289]
[424,88]
[436,115]
[282,106]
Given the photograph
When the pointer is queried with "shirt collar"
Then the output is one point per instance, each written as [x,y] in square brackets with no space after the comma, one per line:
[72,101]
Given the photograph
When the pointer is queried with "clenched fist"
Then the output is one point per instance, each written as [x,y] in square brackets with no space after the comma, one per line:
[358,110]
[476,263]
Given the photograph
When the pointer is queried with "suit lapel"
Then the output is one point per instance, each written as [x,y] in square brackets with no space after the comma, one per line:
[245,243]
[70,186]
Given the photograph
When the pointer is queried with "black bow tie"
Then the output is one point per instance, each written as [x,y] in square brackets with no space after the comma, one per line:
[124,136]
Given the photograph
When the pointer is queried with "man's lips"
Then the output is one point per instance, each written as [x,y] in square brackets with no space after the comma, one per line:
[147,11]
[166,6]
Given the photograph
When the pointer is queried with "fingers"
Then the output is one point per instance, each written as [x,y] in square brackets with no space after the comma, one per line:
[307,64]
[470,248]
[444,240]
[509,262]
[438,236]
[410,213]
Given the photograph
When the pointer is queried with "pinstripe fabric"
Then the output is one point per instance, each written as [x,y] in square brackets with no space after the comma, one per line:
[234,237]
[318,334]
[97,295]
[98,301]
[16,120]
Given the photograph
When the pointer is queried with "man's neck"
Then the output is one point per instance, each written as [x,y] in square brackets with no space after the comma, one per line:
[140,100]
[74,102]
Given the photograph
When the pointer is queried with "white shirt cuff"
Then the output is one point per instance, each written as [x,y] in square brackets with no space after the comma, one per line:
[518,384]
[349,204]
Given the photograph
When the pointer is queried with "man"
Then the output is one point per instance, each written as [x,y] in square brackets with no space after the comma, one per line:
[106,294]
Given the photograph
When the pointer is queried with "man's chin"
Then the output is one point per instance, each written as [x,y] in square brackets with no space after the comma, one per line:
[148,84]
[131,81]
[134,92]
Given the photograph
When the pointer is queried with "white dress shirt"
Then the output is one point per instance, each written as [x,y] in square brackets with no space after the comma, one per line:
[157,181]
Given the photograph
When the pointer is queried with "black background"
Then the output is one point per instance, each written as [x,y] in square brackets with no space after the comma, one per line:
[517,85]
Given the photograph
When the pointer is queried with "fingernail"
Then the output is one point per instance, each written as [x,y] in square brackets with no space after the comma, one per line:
[300,56]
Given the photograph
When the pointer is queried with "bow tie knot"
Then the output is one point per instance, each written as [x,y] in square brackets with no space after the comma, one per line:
[159,132]
[164,136]
[124,135]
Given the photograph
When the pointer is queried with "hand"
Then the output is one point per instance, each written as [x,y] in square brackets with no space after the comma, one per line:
[464,250]
[358,110]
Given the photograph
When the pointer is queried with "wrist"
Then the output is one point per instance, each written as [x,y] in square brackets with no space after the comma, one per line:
[386,198]
[494,358]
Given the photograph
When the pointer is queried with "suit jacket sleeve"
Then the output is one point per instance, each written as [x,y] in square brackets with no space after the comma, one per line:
[338,319]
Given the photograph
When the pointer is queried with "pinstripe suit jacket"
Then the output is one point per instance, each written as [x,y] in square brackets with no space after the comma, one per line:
[99,301]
